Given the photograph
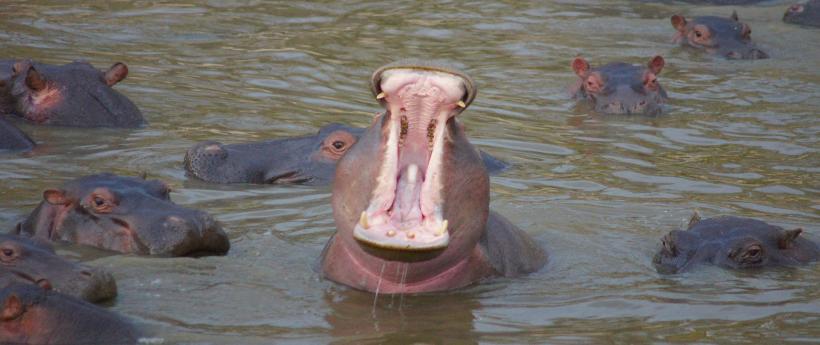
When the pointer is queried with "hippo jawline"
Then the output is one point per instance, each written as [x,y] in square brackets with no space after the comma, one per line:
[405,210]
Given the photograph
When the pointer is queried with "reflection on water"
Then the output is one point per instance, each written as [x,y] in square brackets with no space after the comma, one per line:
[739,137]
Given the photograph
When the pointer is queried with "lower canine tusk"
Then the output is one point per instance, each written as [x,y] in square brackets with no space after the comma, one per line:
[461,104]
[363,220]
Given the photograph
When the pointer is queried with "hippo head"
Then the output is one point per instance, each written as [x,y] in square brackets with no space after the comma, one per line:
[733,242]
[34,261]
[309,159]
[411,197]
[620,88]
[128,215]
[727,37]
[804,14]
[75,94]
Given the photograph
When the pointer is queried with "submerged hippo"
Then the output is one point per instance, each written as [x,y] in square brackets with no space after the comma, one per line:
[75,94]
[727,37]
[12,138]
[124,214]
[411,197]
[307,159]
[31,261]
[621,88]
[805,14]
[733,242]
[32,315]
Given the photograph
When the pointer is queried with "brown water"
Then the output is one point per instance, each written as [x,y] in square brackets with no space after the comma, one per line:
[739,138]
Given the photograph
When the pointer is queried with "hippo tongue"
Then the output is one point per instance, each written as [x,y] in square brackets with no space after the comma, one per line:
[405,209]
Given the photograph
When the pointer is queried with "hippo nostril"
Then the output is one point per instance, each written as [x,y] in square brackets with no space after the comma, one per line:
[44,283]
[86,273]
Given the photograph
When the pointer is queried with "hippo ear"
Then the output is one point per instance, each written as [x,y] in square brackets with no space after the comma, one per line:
[580,66]
[787,238]
[656,64]
[12,308]
[679,22]
[34,80]
[116,73]
[55,197]
[694,220]
[734,16]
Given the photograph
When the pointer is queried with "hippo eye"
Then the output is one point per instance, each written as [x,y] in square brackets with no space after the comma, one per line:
[698,34]
[99,201]
[338,144]
[7,254]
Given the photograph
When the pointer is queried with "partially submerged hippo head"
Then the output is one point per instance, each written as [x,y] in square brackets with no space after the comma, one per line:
[727,37]
[124,214]
[411,197]
[32,315]
[804,14]
[32,261]
[75,94]
[620,88]
[12,138]
[733,242]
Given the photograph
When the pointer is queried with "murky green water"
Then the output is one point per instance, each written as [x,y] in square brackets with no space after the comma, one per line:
[739,138]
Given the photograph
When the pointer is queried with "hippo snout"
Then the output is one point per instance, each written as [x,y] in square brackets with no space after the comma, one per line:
[751,54]
[195,233]
[99,285]
[204,159]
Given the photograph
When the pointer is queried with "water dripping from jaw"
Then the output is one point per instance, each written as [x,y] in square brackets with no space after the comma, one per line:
[378,286]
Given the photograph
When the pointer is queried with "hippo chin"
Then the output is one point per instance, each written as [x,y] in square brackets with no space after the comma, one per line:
[307,159]
[726,37]
[620,88]
[733,242]
[124,214]
[804,14]
[12,138]
[411,197]
[75,94]
[31,261]
[32,315]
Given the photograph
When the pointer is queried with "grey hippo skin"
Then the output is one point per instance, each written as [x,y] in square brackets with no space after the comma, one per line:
[733,242]
[74,94]
[12,138]
[33,261]
[411,198]
[723,2]
[621,88]
[724,36]
[309,159]
[124,214]
[804,14]
[35,316]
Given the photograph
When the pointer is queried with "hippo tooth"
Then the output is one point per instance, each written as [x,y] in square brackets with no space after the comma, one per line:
[412,173]
[411,235]
[461,104]
[442,229]
[391,233]
[381,95]
[363,220]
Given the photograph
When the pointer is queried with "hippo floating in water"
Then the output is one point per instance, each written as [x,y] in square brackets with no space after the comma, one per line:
[804,14]
[727,37]
[733,242]
[411,197]
[12,138]
[307,159]
[33,261]
[124,214]
[32,315]
[621,88]
[75,94]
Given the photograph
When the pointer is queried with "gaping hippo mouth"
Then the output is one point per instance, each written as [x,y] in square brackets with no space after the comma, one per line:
[405,210]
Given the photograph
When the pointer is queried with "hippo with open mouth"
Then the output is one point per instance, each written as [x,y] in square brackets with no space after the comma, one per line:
[411,197]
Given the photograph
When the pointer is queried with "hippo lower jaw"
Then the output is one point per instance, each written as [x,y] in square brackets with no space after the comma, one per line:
[405,210]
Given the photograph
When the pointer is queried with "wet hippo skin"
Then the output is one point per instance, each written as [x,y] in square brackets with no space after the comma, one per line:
[74,94]
[733,242]
[411,197]
[33,261]
[12,138]
[307,159]
[620,88]
[124,214]
[723,36]
[35,316]
[804,14]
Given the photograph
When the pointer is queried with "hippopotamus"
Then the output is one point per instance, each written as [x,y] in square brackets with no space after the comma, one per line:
[307,159]
[411,198]
[32,315]
[124,214]
[33,261]
[733,242]
[74,94]
[12,138]
[804,14]
[621,88]
[727,37]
